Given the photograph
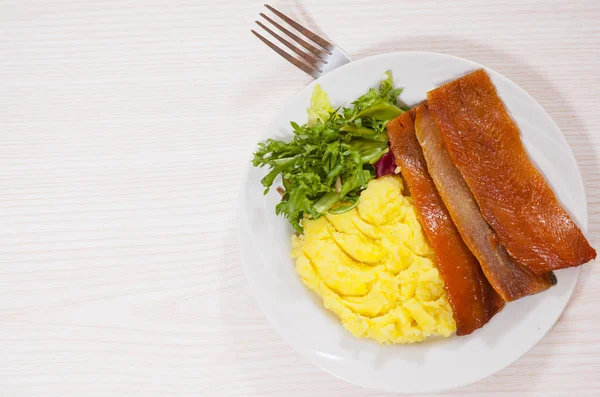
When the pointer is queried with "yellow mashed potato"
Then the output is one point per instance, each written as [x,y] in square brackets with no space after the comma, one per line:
[374,268]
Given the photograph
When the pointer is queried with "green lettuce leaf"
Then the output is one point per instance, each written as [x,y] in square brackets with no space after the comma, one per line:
[320,108]
[331,158]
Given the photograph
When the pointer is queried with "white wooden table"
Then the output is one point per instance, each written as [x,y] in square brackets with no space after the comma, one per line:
[124,130]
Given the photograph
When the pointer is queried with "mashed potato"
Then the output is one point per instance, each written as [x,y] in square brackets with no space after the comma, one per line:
[374,269]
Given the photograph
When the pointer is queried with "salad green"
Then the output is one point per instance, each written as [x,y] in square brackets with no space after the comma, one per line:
[331,158]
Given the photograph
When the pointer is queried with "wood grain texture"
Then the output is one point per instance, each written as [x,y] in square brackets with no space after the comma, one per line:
[125,128]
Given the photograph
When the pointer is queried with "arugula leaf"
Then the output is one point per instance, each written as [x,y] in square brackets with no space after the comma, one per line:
[331,158]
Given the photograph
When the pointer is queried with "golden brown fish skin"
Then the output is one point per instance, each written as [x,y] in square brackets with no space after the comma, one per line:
[473,300]
[507,277]
[514,198]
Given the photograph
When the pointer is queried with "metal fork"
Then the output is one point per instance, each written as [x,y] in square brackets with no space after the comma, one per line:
[315,61]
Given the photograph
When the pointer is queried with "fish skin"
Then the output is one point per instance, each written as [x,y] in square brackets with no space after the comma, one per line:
[473,300]
[511,280]
[514,198]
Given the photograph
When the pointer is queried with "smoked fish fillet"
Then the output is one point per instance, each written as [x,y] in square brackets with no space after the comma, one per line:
[508,278]
[473,300]
[514,198]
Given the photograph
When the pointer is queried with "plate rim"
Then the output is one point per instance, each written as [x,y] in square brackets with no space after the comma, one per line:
[271,127]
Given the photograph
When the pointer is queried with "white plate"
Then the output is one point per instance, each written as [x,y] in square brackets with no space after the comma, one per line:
[429,366]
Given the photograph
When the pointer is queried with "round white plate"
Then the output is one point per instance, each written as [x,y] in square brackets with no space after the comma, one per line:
[429,366]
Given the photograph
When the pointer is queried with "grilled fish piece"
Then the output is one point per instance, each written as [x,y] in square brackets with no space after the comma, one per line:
[471,296]
[514,198]
[507,277]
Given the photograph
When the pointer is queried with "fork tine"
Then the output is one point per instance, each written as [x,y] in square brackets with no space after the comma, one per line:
[320,41]
[299,64]
[314,50]
[312,60]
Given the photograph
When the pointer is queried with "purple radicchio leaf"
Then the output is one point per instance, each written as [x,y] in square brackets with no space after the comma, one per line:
[386,164]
